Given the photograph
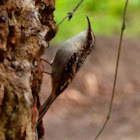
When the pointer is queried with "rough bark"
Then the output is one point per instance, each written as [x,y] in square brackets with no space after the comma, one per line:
[26,27]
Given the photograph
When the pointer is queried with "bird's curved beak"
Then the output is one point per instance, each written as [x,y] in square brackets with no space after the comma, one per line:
[89,26]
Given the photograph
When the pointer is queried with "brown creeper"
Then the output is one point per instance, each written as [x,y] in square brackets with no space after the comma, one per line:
[67,61]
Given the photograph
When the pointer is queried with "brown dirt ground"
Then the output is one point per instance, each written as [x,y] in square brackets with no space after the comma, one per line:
[81,110]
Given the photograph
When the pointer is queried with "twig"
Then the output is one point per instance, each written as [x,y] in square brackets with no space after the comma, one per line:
[70,14]
[116,72]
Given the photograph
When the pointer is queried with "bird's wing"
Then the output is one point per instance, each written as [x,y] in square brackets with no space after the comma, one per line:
[69,72]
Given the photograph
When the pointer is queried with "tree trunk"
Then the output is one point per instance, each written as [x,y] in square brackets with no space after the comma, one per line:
[26,27]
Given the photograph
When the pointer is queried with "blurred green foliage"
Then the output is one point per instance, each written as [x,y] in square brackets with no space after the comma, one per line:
[105,17]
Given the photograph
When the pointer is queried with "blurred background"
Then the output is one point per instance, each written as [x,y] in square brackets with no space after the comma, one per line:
[81,110]
[105,17]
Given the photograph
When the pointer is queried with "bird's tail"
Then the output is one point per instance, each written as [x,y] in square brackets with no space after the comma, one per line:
[44,108]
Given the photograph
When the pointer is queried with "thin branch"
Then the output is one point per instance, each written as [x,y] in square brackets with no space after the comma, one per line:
[70,14]
[116,72]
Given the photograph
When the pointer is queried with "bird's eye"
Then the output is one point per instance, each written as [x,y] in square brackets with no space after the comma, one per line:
[89,37]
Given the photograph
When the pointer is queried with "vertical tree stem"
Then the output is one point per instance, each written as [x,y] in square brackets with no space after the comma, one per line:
[116,72]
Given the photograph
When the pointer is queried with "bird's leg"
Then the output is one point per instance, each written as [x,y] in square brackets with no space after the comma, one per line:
[40,62]
[45,61]
[46,72]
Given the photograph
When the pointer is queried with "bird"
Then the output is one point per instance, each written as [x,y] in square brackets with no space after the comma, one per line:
[67,61]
